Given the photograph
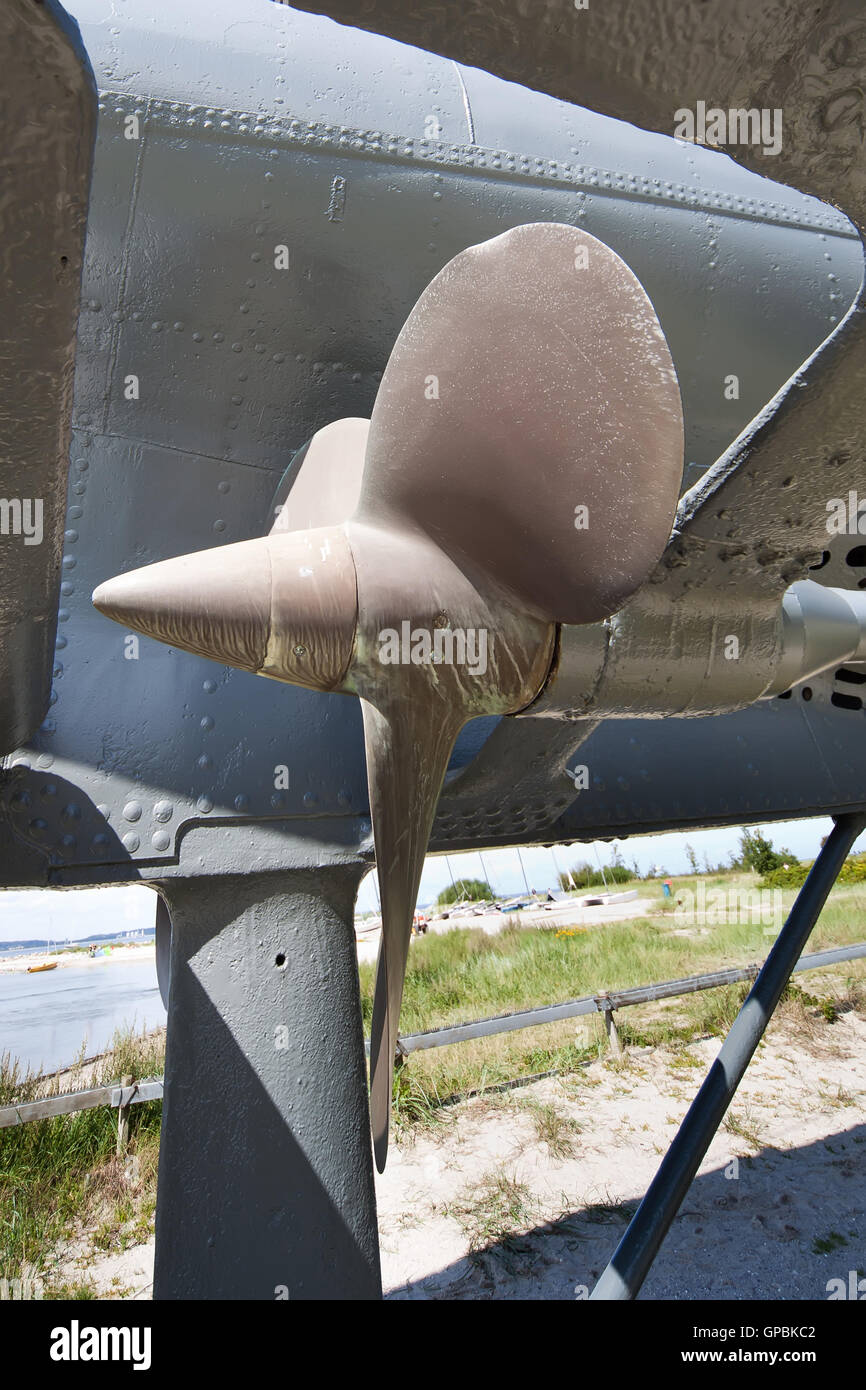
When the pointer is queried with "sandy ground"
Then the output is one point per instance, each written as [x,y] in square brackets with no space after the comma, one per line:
[558,915]
[144,952]
[479,1207]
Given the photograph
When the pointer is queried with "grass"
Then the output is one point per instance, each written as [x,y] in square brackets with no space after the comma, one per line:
[744,1126]
[494,1209]
[604,1213]
[60,1177]
[557,1132]
[841,1097]
[825,1245]
[465,974]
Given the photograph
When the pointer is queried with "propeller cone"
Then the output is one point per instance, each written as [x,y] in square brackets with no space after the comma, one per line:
[284,606]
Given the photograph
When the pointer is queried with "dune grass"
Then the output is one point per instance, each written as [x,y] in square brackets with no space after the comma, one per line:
[61,1175]
[465,974]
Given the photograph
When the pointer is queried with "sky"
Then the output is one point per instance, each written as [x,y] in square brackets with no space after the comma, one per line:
[39,914]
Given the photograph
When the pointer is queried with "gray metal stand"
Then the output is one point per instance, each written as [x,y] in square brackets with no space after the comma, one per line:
[266,1174]
[639,1246]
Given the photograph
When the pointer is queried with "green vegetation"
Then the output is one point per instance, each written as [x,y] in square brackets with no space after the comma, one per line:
[828,1008]
[757,853]
[61,1174]
[792,877]
[583,876]
[825,1245]
[472,890]
[466,974]
[852,871]
[557,1132]
[493,1210]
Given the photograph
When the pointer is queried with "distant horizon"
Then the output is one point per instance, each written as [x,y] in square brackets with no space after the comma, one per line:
[25,944]
[51,914]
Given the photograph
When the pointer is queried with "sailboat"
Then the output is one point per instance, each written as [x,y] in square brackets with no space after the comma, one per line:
[46,964]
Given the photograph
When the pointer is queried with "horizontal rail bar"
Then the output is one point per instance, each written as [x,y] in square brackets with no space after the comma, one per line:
[503,1023]
[839,953]
[80,1100]
[613,999]
[442,1037]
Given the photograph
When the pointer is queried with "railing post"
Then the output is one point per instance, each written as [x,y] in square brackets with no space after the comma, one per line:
[123,1116]
[610,1028]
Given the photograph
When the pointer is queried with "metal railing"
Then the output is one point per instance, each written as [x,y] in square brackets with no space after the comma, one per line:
[605,1002]
[117,1096]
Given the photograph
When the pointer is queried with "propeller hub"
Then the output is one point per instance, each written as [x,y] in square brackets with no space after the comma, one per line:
[284,606]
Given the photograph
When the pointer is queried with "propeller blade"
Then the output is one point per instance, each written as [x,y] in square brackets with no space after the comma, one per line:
[532,379]
[408,746]
[321,488]
[431,652]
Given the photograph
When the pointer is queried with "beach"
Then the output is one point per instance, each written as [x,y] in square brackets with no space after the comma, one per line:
[140,951]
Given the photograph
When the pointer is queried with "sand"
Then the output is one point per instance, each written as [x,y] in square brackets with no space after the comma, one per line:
[554,915]
[145,951]
[777,1210]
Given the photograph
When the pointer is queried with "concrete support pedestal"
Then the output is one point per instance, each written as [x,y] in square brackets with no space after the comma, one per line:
[266,1175]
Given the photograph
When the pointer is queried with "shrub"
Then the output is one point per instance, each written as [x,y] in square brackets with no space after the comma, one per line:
[584,876]
[792,877]
[852,871]
[465,888]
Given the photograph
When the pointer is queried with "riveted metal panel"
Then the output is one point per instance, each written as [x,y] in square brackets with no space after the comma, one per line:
[373,165]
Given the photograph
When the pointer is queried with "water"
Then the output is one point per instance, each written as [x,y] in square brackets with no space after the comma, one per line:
[44,1019]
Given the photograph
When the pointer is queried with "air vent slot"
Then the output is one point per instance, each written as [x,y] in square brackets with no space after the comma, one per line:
[845,701]
[851,677]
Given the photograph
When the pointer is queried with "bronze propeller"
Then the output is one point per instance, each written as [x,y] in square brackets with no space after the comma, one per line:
[521,470]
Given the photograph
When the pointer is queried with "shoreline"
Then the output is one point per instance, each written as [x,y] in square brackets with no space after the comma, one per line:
[19,965]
